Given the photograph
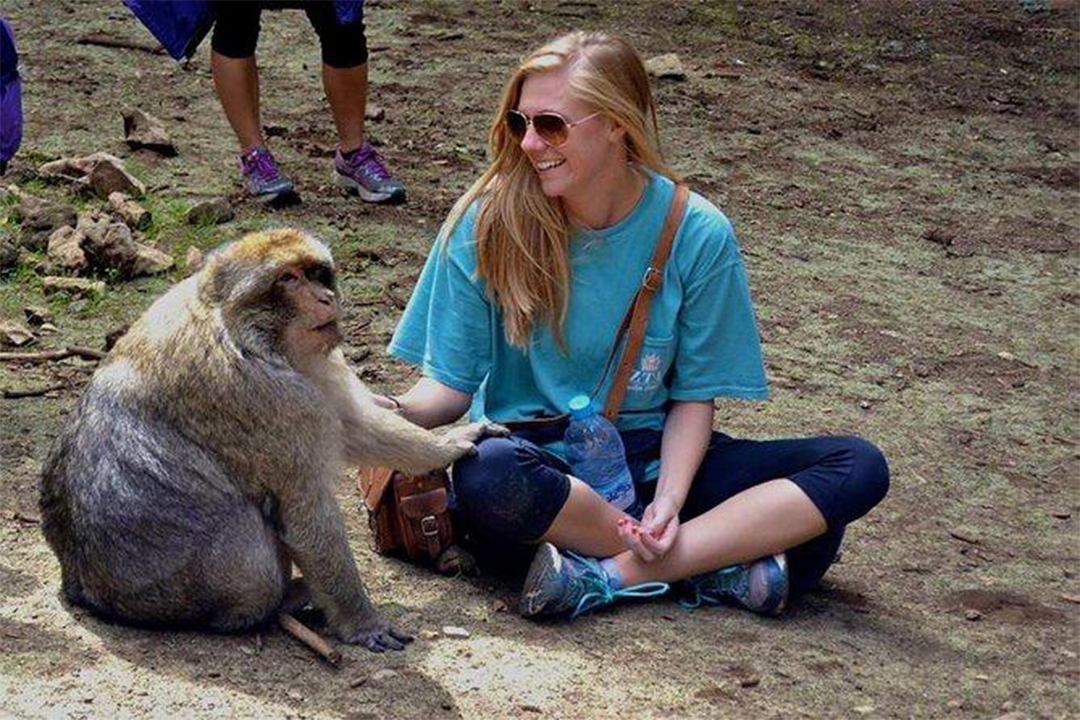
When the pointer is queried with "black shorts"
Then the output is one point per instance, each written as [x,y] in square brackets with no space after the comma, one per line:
[236,31]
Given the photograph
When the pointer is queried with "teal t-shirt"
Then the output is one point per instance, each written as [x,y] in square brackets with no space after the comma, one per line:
[701,340]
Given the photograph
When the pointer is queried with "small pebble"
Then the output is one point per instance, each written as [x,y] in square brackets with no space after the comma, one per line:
[455,632]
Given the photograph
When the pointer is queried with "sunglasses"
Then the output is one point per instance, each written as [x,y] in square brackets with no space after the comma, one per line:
[550,127]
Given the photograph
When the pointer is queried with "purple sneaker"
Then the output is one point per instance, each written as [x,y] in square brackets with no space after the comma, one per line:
[363,171]
[262,179]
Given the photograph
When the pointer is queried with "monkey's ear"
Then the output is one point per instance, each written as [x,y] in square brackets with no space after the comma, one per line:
[217,276]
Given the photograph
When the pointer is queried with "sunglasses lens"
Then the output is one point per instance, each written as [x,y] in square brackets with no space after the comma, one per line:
[551,128]
[516,123]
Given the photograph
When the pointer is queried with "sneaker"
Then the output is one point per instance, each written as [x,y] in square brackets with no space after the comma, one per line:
[262,179]
[560,583]
[760,586]
[364,171]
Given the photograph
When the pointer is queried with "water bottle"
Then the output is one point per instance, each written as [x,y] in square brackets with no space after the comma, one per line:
[596,454]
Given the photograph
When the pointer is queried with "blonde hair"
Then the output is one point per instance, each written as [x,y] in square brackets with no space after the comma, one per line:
[522,235]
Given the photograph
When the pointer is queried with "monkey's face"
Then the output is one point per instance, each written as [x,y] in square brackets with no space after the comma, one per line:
[307,293]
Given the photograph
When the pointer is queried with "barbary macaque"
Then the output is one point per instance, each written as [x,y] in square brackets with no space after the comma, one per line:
[199,464]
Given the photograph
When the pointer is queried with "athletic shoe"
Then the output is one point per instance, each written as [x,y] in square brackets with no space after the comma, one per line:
[363,171]
[561,583]
[760,587]
[262,179]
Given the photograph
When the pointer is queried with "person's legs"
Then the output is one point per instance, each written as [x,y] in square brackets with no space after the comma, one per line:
[750,500]
[346,89]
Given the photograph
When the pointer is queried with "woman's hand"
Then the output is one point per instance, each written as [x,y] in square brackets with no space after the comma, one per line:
[654,536]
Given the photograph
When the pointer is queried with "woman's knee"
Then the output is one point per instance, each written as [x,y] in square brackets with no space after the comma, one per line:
[870,471]
[506,489]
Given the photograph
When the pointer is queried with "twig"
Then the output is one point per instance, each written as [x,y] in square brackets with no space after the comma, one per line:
[398,302]
[33,392]
[73,351]
[299,631]
[104,40]
[27,518]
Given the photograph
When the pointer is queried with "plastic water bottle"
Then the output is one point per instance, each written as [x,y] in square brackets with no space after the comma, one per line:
[596,454]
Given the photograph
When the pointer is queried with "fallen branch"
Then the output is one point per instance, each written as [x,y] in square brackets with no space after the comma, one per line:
[299,631]
[73,351]
[103,40]
[34,392]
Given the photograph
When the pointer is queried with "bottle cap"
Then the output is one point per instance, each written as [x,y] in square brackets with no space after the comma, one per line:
[581,406]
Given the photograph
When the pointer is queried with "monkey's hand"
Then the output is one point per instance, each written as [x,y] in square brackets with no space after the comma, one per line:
[462,440]
[376,635]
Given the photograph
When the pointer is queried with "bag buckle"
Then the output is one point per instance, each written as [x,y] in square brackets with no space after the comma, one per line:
[429,525]
[652,279]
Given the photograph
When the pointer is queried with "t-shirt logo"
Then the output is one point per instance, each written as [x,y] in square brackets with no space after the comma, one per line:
[647,376]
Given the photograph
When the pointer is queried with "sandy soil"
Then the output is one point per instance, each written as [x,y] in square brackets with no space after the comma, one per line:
[903,177]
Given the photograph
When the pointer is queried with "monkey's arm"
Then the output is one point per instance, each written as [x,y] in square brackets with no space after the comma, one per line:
[377,436]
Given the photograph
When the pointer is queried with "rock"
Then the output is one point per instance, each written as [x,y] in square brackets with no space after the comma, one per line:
[49,328]
[37,316]
[65,250]
[39,218]
[76,286]
[143,130]
[15,334]
[384,674]
[102,172]
[9,254]
[109,246]
[429,634]
[973,614]
[109,176]
[210,212]
[150,261]
[453,631]
[666,66]
[374,112]
[193,260]
[134,215]
[1014,715]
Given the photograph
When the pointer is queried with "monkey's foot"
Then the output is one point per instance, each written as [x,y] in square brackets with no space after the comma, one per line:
[379,639]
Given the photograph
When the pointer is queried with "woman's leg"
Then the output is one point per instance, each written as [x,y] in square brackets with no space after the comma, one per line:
[236,76]
[752,499]
[344,71]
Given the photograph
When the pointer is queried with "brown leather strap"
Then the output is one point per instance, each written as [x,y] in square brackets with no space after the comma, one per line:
[639,315]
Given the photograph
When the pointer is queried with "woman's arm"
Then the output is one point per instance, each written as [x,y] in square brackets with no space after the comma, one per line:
[687,432]
[429,403]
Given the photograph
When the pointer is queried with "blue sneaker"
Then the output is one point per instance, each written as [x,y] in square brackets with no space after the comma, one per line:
[560,583]
[364,172]
[262,179]
[760,587]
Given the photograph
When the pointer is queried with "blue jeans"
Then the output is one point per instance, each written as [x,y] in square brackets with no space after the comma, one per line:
[509,494]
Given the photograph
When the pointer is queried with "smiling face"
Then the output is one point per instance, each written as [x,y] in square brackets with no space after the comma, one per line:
[594,150]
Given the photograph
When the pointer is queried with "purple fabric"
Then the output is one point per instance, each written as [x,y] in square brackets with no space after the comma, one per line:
[11,115]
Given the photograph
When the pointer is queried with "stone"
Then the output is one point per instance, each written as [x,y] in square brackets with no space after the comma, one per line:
[452,631]
[78,287]
[15,335]
[210,212]
[9,253]
[143,130]
[384,674]
[37,316]
[150,261]
[65,250]
[134,215]
[374,112]
[193,260]
[666,66]
[102,172]
[40,214]
[109,176]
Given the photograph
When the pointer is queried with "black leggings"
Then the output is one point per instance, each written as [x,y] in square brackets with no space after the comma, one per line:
[236,31]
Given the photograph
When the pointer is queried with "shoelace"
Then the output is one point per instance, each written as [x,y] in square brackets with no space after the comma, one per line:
[599,593]
[263,163]
[371,163]
[711,595]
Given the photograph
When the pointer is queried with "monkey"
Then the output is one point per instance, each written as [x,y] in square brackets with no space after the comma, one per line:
[198,466]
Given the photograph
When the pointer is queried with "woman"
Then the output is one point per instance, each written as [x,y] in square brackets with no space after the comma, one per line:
[516,311]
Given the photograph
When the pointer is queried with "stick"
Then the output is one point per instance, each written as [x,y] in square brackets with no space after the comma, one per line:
[299,631]
[73,351]
[33,392]
[103,40]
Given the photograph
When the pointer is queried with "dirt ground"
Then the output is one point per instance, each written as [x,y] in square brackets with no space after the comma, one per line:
[903,178]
